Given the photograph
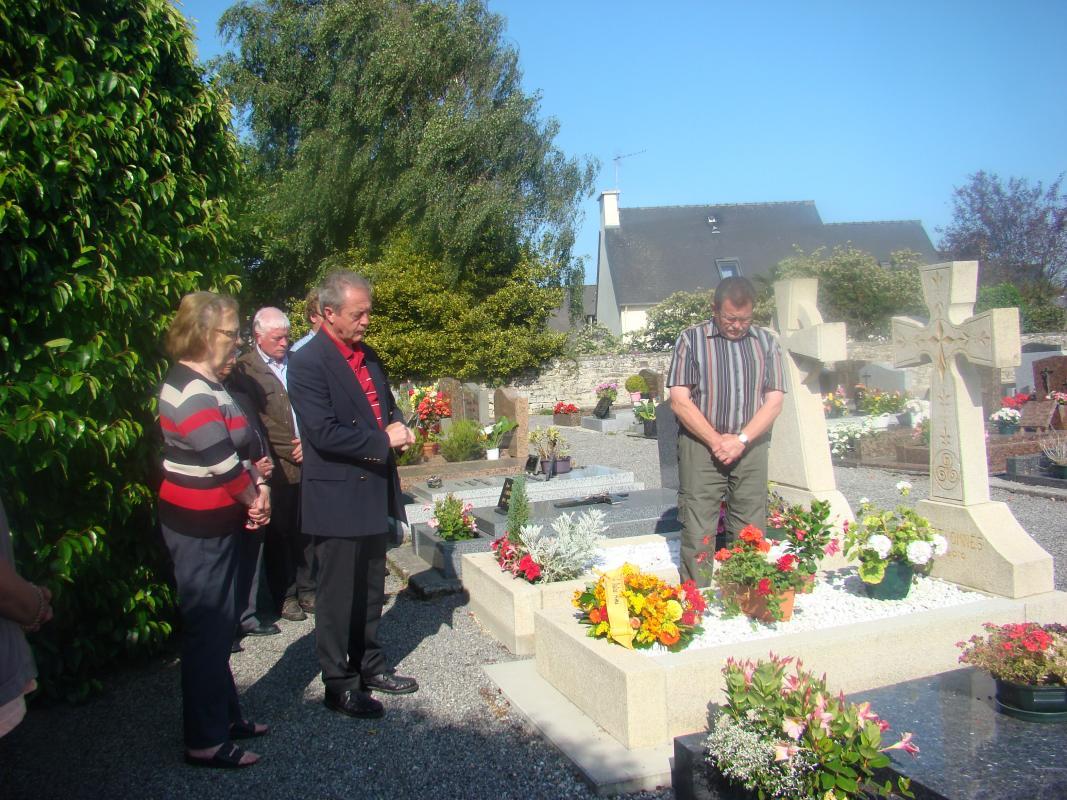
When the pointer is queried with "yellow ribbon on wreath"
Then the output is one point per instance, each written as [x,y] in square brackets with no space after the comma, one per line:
[618,612]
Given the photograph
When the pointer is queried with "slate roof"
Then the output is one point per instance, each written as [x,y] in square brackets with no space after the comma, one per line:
[657,251]
[560,319]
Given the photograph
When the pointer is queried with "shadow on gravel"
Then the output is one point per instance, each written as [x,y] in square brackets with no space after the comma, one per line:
[410,620]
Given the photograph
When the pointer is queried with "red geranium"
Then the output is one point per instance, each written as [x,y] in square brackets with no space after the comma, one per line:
[763,588]
[530,569]
[723,555]
[787,562]
[750,533]
[565,408]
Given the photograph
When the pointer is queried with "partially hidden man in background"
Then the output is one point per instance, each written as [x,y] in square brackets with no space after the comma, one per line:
[726,386]
[350,490]
[288,554]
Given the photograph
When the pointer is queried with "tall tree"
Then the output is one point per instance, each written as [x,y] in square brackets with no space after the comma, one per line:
[1017,231]
[115,161]
[374,117]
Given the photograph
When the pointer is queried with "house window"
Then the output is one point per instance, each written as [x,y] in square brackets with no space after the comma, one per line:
[728,267]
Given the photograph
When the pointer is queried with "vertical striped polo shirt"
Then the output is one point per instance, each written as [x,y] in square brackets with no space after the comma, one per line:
[727,377]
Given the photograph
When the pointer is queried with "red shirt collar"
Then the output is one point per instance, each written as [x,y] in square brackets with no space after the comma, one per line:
[351,354]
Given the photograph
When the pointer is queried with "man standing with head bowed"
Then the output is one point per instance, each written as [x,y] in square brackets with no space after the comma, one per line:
[349,425]
[288,554]
[727,385]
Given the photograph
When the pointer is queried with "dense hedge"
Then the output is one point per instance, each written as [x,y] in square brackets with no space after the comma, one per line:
[114,162]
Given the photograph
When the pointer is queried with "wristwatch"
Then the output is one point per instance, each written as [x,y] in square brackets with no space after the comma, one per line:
[741,437]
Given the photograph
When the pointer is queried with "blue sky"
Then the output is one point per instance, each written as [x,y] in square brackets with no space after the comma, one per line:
[872,110]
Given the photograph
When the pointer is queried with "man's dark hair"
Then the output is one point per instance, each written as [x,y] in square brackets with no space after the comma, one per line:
[737,290]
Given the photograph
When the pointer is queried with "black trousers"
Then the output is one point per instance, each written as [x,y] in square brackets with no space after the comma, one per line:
[289,555]
[207,572]
[248,584]
[348,608]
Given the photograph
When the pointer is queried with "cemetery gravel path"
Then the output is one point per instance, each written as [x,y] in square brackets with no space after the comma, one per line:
[456,738]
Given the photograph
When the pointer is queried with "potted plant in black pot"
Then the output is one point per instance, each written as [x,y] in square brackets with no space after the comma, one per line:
[552,450]
[645,412]
[1028,661]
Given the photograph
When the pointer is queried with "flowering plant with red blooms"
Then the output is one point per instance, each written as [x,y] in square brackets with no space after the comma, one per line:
[1020,652]
[514,559]
[806,533]
[431,406]
[659,613]
[750,564]
[1016,401]
[782,733]
[565,408]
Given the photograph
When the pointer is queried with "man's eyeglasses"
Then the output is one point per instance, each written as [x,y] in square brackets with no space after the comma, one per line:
[744,322]
[232,335]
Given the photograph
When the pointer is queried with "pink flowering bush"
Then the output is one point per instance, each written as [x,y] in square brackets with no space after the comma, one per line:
[783,734]
[808,533]
[453,519]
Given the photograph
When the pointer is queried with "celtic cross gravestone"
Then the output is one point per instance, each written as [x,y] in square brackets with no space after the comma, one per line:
[989,550]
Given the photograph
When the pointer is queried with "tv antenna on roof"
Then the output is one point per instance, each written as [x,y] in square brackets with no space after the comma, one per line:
[617,159]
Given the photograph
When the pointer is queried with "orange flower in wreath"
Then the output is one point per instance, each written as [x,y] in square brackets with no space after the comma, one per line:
[750,533]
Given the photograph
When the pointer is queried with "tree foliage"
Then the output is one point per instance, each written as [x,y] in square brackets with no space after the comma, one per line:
[1037,313]
[668,319]
[370,118]
[114,157]
[855,289]
[425,326]
[1017,231]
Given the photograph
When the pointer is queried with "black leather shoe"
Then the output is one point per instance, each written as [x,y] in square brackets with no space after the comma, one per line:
[307,604]
[390,683]
[292,611]
[236,646]
[354,703]
[262,630]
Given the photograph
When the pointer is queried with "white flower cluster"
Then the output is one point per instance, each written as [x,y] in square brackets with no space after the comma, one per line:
[880,544]
[919,553]
[744,753]
[1008,415]
[844,437]
[571,551]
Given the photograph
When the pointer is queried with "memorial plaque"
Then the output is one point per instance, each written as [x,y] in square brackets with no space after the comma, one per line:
[603,408]
[505,495]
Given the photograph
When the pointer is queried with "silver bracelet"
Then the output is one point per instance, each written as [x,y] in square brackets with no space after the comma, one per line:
[42,606]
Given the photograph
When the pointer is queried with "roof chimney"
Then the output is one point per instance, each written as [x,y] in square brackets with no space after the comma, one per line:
[609,208]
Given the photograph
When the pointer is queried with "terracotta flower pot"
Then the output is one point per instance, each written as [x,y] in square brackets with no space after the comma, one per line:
[809,584]
[756,606]
[567,420]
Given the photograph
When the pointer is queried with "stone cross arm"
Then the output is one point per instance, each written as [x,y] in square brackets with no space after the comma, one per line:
[801,329]
[989,339]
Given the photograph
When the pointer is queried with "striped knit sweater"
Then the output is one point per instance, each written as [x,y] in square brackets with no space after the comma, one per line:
[204,434]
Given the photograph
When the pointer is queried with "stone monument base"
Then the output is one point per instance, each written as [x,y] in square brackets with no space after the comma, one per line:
[988,549]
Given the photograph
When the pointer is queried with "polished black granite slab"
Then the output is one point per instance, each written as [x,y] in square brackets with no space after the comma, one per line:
[967,749]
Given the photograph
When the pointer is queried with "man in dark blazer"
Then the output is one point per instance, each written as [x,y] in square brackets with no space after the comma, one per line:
[350,488]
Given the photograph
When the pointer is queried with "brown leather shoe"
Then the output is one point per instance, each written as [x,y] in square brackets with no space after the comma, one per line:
[292,611]
[354,703]
[307,603]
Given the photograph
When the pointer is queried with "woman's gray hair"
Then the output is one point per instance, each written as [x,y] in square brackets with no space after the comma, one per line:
[332,291]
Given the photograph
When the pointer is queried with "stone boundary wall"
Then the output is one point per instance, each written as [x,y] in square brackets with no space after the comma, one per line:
[574,380]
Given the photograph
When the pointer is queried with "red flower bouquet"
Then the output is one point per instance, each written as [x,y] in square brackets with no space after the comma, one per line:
[565,408]
[750,568]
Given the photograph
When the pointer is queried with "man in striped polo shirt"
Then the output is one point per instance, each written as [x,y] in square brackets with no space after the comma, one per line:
[727,385]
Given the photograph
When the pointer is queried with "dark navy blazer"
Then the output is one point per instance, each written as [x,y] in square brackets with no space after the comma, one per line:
[349,484]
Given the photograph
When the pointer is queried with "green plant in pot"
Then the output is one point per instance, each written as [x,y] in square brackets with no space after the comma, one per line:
[636,386]
[553,450]
[807,533]
[645,412]
[494,436]
[892,547]
[1028,661]
[453,520]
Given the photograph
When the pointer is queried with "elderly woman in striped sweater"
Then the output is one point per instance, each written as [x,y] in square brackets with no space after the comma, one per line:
[209,495]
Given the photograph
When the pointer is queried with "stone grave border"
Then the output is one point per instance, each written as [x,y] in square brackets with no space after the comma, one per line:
[505,605]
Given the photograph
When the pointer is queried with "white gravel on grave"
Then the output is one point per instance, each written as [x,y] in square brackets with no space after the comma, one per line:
[837,600]
[647,556]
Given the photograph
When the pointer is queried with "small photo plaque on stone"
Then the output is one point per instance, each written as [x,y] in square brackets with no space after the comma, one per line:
[505,495]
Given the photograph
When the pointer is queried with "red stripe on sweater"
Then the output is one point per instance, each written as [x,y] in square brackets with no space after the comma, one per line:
[196,499]
[203,417]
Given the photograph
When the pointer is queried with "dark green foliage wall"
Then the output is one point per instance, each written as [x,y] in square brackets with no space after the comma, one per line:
[114,163]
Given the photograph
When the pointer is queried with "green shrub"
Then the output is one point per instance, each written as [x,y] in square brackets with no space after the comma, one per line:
[464,441]
[635,383]
[115,161]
